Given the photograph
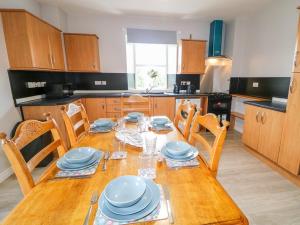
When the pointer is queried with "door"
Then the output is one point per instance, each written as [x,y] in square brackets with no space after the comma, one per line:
[95,108]
[252,126]
[193,57]
[39,42]
[57,55]
[270,133]
[82,52]
[289,155]
[164,106]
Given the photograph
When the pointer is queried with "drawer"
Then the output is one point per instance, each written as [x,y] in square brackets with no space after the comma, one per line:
[113,108]
[95,100]
[113,115]
[113,100]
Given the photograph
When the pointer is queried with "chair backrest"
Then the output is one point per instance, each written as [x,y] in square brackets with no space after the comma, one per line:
[27,132]
[211,123]
[76,121]
[135,103]
[184,117]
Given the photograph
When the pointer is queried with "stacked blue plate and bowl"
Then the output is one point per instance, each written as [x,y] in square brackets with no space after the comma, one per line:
[79,159]
[160,123]
[129,198]
[102,125]
[179,151]
[133,117]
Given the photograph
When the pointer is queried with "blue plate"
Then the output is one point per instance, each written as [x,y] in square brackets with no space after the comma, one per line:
[136,216]
[140,205]
[189,156]
[79,155]
[177,148]
[131,120]
[125,191]
[103,122]
[63,165]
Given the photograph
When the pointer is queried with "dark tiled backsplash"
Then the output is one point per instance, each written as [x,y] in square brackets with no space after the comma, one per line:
[82,81]
[266,87]
[79,81]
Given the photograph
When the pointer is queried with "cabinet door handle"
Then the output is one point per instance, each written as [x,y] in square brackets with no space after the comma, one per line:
[257,117]
[103,107]
[263,118]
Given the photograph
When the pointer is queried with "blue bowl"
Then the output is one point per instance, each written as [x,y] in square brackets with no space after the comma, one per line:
[125,191]
[134,115]
[79,155]
[177,147]
[160,121]
[103,122]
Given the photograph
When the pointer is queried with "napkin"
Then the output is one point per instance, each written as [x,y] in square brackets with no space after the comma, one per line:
[119,155]
[77,173]
[177,164]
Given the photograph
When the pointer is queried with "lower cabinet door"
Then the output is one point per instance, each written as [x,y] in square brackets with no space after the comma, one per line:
[270,133]
[252,126]
[164,106]
[95,108]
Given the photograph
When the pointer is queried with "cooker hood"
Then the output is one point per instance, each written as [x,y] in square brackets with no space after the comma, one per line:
[216,43]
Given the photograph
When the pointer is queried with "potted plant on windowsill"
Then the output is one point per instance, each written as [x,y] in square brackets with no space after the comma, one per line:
[153,74]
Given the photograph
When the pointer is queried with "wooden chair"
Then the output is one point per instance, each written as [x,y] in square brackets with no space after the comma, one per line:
[135,103]
[76,121]
[211,123]
[184,117]
[26,133]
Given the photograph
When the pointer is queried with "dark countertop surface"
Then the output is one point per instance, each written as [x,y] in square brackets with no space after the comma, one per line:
[280,107]
[66,100]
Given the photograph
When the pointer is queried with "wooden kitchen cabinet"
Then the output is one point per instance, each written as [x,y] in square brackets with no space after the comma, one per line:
[263,130]
[95,108]
[191,56]
[289,155]
[164,106]
[82,52]
[296,68]
[32,44]
[251,126]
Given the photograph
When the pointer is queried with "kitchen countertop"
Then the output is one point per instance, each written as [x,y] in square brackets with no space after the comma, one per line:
[280,107]
[66,100]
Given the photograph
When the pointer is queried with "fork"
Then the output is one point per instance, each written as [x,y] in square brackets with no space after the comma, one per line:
[106,157]
[93,201]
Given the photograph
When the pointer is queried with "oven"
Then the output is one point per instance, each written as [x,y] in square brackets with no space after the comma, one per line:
[220,105]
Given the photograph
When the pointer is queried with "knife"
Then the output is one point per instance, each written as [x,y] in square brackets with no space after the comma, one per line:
[106,157]
[168,201]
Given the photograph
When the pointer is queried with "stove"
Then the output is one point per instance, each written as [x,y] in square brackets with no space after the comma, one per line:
[219,104]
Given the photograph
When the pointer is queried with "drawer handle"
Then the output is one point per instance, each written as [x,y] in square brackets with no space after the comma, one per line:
[258,117]
[263,118]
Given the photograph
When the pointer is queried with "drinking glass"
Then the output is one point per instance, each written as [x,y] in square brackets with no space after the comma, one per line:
[142,125]
[120,124]
[147,166]
[149,145]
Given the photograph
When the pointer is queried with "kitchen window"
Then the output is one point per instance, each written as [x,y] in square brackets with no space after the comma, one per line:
[151,56]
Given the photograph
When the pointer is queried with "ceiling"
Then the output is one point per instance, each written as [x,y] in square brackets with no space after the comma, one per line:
[183,9]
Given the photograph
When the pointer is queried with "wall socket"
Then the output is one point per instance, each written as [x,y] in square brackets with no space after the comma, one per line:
[255,84]
[35,84]
[100,82]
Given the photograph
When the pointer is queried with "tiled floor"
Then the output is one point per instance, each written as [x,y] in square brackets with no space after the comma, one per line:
[264,196]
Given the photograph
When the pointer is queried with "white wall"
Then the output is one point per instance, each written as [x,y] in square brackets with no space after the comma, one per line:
[54,16]
[265,41]
[112,29]
[9,115]
[264,44]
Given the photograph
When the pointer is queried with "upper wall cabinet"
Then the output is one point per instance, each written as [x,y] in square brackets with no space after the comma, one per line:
[191,56]
[31,43]
[82,52]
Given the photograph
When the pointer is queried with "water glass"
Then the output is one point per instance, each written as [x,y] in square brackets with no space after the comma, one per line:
[149,145]
[147,166]
[120,124]
[142,125]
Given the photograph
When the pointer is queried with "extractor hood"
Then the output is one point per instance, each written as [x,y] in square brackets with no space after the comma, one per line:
[216,43]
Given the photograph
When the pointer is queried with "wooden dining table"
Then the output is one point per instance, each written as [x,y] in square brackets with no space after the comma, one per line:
[196,196]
